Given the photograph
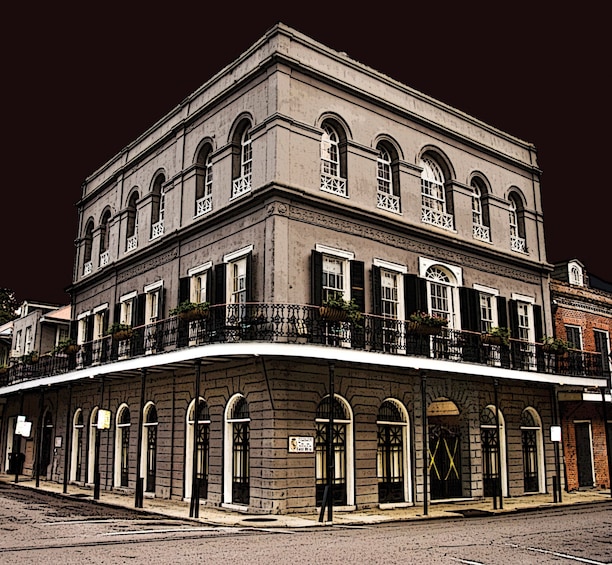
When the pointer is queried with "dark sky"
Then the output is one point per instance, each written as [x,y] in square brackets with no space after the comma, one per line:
[80,86]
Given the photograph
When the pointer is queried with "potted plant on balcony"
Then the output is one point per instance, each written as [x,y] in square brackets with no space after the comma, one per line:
[425,323]
[190,311]
[496,336]
[66,346]
[31,357]
[555,345]
[337,309]
[119,331]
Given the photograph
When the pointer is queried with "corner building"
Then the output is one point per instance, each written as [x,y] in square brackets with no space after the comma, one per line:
[293,175]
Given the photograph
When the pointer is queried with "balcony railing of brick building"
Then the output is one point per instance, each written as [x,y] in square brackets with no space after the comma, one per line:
[304,324]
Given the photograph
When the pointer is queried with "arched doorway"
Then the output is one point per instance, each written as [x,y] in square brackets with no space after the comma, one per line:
[202,437]
[122,446]
[342,433]
[533,451]
[492,448]
[149,449]
[76,445]
[392,453]
[47,444]
[237,451]
[444,449]
[91,448]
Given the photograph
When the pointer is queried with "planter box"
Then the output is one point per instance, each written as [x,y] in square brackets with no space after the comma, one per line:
[195,314]
[122,335]
[333,314]
[492,339]
[423,329]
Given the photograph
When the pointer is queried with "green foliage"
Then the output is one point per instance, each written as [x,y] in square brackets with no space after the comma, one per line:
[428,320]
[117,327]
[349,306]
[64,346]
[188,306]
[8,305]
[500,332]
[556,344]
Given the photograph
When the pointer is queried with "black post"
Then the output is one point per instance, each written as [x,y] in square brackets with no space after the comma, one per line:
[555,414]
[97,452]
[498,486]
[330,446]
[139,492]
[194,506]
[425,445]
[607,435]
[41,428]
[68,439]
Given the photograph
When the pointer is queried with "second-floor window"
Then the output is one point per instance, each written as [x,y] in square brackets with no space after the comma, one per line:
[204,181]
[574,336]
[517,225]
[480,223]
[158,207]
[242,181]
[131,241]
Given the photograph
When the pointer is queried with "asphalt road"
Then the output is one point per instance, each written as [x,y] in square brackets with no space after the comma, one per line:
[41,528]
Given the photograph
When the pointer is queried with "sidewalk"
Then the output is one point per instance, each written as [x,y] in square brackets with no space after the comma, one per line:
[224,517]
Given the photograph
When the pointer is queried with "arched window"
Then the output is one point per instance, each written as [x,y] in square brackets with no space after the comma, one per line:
[387,180]
[105,238]
[517,224]
[158,207]
[433,195]
[243,160]
[122,446]
[237,452]
[533,451]
[204,180]
[88,248]
[341,448]
[392,460]
[149,448]
[76,445]
[333,174]
[480,215]
[131,242]
[201,435]
[493,478]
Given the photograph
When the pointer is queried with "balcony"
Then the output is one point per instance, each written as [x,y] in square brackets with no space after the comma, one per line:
[518,244]
[437,218]
[388,202]
[157,229]
[335,185]
[480,232]
[298,324]
[241,185]
[204,205]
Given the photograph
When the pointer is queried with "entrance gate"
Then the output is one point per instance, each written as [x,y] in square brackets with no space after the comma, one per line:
[445,461]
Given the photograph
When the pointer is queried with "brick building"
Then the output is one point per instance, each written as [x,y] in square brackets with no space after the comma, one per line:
[582,308]
[293,177]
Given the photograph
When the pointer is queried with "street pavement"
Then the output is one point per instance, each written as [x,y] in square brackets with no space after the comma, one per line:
[213,515]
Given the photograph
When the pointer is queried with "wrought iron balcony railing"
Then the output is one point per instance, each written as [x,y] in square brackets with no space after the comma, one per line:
[301,324]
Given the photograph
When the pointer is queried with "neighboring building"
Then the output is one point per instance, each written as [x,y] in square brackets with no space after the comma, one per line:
[295,175]
[582,309]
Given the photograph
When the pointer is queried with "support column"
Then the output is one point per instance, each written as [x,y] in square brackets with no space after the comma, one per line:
[498,488]
[425,454]
[194,506]
[69,431]
[607,435]
[139,492]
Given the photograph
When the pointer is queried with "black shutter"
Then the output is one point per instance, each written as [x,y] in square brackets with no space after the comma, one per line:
[514,324]
[502,312]
[117,314]
[105,321]
[469,301]
[357,284]
[376,290]
[183,289]
[141,301]
[415,294]
[316,278]
[537,322]
[249,277]
[219,296]
[89,328]
[209,285]
[74,329]
[162,303]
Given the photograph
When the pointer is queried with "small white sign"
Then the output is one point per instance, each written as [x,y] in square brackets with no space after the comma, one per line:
[104,419]
[301,444]
[23,428]
[555,433]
